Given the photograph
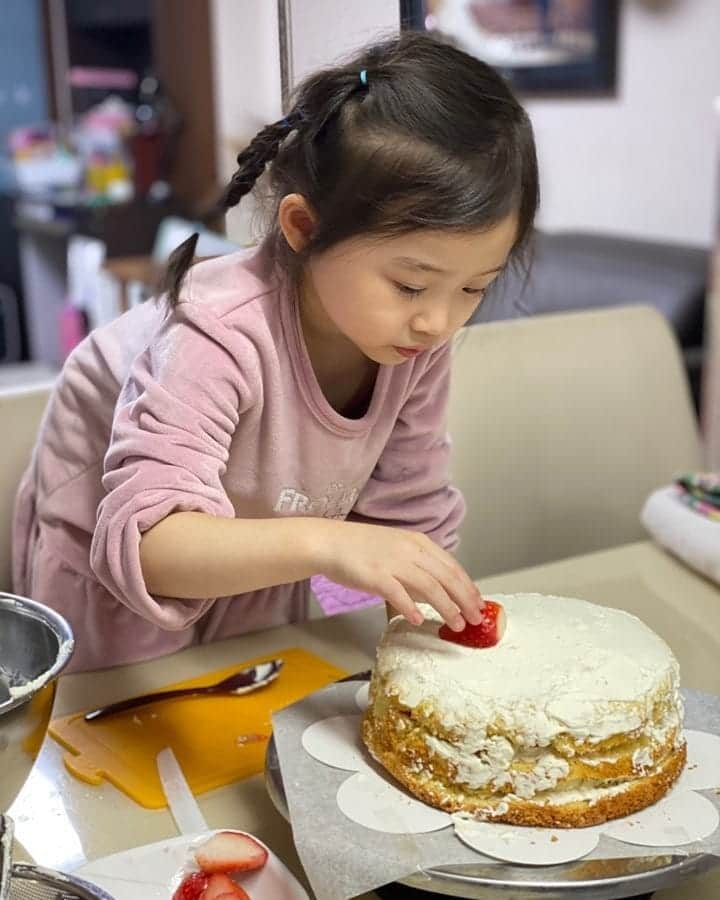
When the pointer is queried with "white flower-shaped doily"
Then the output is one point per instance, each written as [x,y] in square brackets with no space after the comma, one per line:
[370,799]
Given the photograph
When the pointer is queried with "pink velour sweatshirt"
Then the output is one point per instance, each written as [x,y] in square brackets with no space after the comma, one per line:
[213,408]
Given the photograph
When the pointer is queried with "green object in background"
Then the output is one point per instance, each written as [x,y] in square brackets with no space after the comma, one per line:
[703,486]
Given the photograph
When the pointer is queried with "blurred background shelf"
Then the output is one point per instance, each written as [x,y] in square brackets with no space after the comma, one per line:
[43,46]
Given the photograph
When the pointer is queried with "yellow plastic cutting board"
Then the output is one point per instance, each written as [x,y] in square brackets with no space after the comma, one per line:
[216,738]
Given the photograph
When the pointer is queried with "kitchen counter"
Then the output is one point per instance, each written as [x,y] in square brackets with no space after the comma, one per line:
[61,822]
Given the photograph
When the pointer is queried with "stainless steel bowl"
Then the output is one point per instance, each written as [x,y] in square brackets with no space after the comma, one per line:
[35,645]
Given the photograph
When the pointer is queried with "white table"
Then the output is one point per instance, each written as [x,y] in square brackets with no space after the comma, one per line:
[61,821]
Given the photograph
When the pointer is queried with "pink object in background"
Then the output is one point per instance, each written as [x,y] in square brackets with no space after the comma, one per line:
[99,77]
[335,598]
[73,328]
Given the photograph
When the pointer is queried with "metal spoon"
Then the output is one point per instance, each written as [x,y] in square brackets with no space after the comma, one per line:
[238,683]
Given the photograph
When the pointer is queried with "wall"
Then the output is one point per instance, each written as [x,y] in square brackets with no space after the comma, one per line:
[711,371]
[247,72]
[641,163]
[23,97]
[23,101]
[247,85]
[318,41]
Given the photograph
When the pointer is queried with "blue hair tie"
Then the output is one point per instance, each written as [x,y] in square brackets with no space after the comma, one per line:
[363,78]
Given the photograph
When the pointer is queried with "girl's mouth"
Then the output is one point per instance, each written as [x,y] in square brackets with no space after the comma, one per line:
[408,352]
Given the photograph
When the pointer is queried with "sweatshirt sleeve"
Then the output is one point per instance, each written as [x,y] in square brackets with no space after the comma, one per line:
[169,447]
[410,487]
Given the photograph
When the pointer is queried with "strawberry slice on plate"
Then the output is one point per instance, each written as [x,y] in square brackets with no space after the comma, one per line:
[230,851]
[234,896]
[192,886]
[486,633]
[220,887]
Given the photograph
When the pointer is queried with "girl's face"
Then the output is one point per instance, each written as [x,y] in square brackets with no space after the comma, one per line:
[393,298]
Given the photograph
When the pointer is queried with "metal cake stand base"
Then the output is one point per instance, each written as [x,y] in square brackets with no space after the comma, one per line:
[403,892]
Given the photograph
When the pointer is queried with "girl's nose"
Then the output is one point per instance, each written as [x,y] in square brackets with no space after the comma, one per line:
[432,319]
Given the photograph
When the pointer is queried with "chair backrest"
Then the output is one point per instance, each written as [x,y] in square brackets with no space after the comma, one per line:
[561,426]
[20,412]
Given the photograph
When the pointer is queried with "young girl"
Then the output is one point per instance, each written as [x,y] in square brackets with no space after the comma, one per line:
[281,413]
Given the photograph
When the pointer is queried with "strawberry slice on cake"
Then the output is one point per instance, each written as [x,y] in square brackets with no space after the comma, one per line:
[487,633]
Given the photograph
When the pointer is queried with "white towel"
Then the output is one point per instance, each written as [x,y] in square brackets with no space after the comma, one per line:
[688,534]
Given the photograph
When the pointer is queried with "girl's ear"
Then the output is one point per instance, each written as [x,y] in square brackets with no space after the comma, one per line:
[296,220]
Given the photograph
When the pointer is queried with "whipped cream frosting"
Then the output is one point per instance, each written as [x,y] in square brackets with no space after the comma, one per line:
[563,666]
[582,793]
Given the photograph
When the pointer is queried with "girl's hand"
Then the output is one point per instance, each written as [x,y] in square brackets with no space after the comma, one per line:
[404,568]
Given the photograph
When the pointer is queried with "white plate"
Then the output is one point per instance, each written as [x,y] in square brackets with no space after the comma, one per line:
[149,872]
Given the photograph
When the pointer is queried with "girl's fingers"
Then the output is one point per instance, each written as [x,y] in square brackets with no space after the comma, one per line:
[461,591]
[422,584]
[397,596]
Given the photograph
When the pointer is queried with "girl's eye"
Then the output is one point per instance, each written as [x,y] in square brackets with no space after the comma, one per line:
[407,290]
[475,292]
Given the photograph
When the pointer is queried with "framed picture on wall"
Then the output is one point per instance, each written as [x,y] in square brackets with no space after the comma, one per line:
[546,47]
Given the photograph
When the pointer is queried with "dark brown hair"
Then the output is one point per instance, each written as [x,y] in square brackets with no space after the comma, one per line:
[410,133]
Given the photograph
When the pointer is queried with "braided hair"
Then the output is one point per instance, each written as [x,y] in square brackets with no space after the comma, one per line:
[411,133]
[251,163]
[254,158]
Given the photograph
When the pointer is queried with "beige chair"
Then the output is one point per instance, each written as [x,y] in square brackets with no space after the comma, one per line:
[561,426]
[20,412]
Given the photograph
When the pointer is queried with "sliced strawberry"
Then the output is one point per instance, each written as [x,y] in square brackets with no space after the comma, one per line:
[220,887]
[486,633]
[230,851]
[191,887]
